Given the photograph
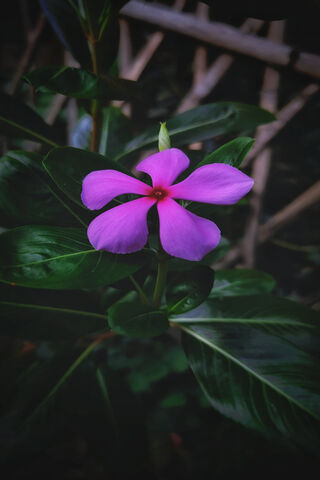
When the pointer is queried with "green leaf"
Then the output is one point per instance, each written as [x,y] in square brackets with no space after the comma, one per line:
[66,23]
[59,258]
[67,166]
[81,84]
[25,195]
[115,131]
[202,123]
[230,283]
[231,153]
[19,120]
[38,322]
[136,320]
[188,289]
[256,358]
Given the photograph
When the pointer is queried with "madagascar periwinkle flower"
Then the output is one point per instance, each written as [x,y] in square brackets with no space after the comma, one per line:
[124,229]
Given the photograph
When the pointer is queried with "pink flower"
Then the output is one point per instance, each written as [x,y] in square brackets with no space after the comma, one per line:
[123,229]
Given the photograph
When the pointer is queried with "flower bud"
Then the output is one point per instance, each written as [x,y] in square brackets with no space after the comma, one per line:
[163,139]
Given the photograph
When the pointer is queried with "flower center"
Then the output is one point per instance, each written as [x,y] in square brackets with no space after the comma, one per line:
[158,193]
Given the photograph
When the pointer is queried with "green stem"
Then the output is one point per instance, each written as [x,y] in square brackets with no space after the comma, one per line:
[143,296]
[96,106]
[161,280]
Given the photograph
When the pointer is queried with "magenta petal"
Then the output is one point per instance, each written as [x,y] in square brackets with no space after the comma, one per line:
[102,186]
[122,229]
[164,167]
[183,234]
[216,183]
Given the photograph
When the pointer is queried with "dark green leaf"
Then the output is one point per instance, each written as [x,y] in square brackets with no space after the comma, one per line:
[38,322]
[65,22]
[116,130]
[59,258]
[19,120]
[136,320]
[81,84]
[257,360]
[188,289]
[25,195]
[204,122]
[230,283]
[68,166]
[231,153]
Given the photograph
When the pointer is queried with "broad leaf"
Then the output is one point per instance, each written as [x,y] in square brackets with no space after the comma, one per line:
[257,360]
[202,123]
[25,194]
[81,84]
[59,258]
[188,289]
[38,322]
[66,23]
[231,153]
[68,166]
[230,283]
[19,120]
[136,320]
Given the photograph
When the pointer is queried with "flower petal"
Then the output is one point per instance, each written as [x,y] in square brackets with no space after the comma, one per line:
[164,167]
[122,229]
[101,186]
[183,234]
[216,183]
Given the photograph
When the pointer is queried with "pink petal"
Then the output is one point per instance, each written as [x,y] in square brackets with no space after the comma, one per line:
[216,183]
[122,229]
[102,186]
[164,167]
[183,234]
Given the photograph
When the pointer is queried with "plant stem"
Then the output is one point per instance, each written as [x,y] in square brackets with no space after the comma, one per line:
[161,280]
[143,296]
[96,107]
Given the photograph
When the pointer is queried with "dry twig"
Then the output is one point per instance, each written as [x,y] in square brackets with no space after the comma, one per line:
[224,36]
[286,215]
[215,72]
[32,38]
[261,164]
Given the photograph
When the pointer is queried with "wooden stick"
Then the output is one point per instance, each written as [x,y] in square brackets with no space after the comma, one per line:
[286,215]
[283,117]
[32,38]
[134,71]
[261,164]
[125,47]
[215,72]
[289,213]
[223,36]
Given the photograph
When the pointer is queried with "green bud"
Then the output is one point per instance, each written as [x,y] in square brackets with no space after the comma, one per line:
[163,139]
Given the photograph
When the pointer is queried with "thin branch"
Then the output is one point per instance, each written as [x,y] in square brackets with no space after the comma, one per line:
[215,72]
[146,53]
[32,38]
[289,213]
[224,36]
[125,47]
[261,164]
[283,117]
